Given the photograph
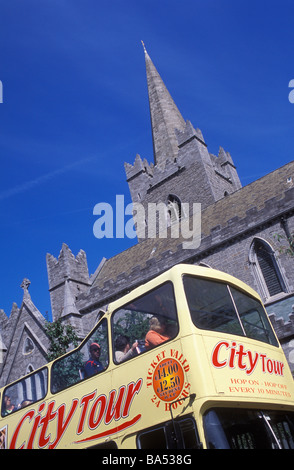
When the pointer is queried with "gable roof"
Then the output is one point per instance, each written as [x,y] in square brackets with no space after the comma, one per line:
[25,321]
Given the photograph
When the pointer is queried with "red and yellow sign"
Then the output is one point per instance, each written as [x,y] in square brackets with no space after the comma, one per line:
[166,376]
[168,379]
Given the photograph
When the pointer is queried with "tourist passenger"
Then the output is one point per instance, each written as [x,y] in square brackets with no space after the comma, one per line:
[157,333]
[123,349]
[7,406]
[93,365]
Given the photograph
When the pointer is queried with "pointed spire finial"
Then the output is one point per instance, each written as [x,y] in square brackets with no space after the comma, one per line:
[165,116]
[144,47]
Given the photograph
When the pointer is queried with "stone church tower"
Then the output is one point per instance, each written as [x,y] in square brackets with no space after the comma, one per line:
[68,278]
[183,170]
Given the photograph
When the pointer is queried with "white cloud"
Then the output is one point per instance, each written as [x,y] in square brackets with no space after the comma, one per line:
[27,185]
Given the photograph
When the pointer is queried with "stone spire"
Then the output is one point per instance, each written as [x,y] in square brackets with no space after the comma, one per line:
[165,116]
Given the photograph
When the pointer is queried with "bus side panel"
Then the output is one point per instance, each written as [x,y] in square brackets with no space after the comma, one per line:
[249,370]
[63,419]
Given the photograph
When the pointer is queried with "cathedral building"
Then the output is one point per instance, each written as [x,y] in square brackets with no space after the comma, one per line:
[242,231]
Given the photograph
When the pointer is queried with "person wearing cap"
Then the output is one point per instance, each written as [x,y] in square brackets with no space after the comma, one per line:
[93,365]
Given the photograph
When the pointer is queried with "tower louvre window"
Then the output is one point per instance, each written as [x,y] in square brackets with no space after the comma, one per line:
[174,209]
[269,271]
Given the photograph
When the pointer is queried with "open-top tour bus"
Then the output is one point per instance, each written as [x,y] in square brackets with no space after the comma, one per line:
[189,360]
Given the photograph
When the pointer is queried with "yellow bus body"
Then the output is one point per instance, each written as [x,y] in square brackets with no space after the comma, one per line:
[195,371]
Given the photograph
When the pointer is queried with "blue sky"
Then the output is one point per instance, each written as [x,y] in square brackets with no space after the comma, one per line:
[75,108]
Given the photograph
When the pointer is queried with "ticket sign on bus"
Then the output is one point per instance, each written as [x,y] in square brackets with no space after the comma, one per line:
[166,376]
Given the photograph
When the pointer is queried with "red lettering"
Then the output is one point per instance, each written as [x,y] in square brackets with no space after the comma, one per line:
[270,366]
[117,406]
[101,400]
[84,403]
[35,426]
[114,411]
[30,414]
[61,424]
[244,360]
[215,353]
[132,390]
[232,355]
[174,353]
[252,361]
[263,356]
[49,416]
[240,355]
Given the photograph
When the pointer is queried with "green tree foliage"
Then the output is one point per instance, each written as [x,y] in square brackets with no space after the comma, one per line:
[286,248]
[132,323]
[68,369]
[61,337]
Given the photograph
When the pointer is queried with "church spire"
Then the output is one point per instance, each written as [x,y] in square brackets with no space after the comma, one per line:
[165,116]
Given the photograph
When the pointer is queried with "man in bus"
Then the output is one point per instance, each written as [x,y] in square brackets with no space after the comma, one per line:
[93,365]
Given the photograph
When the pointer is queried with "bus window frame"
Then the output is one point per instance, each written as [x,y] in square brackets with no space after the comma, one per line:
[220,431]
[229,286]
[23,378]
[266,324]
[148,292]
[170,430]
[76,350]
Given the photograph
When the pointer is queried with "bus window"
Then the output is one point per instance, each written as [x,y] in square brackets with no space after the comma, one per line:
[227,428]
[144,323]
[88,360]
[253,318]
[26,391]
[211,306]
[179,434]
[218,307]
[282,425]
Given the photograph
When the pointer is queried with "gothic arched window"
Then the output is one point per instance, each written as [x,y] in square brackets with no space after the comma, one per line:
[28,346]
[262,256]
[174,210]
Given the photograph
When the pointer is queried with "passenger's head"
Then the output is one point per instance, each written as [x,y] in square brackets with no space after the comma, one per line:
[122,342]
[95,350]
[157,324]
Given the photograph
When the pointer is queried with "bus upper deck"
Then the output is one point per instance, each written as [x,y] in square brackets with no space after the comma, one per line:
[187,360]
